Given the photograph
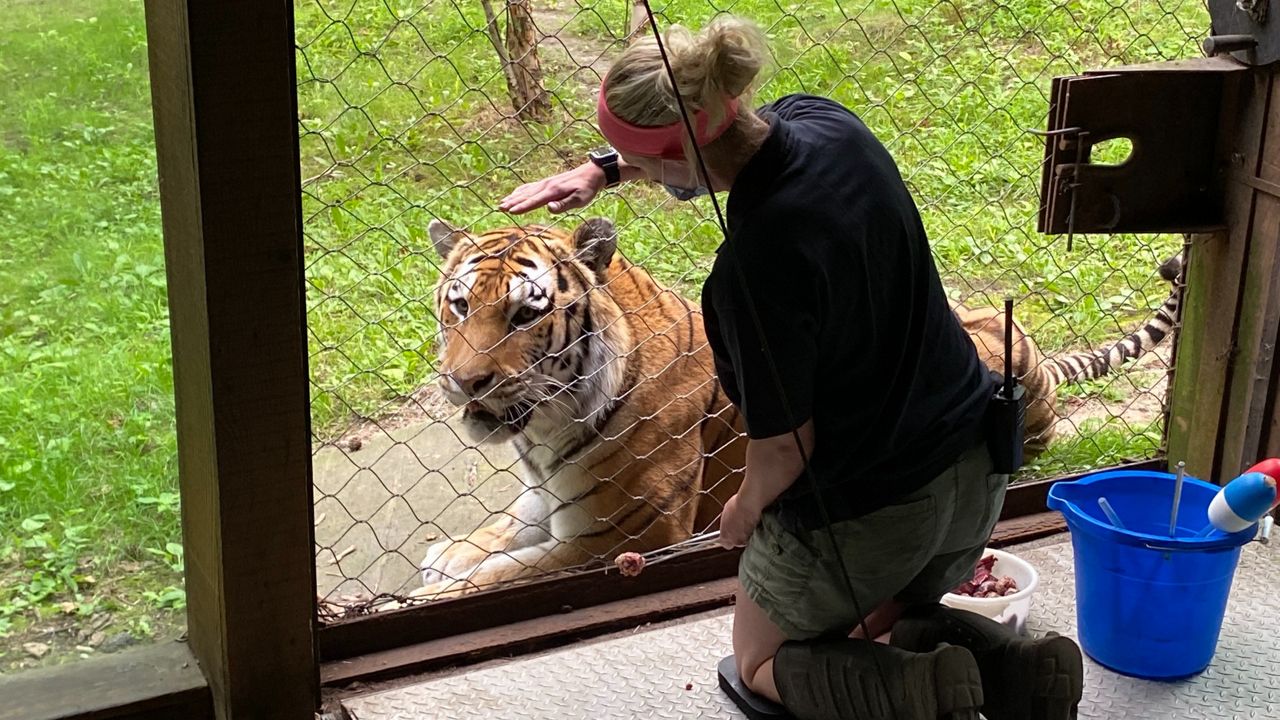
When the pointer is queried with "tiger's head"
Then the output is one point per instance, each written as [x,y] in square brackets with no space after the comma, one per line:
[524,326]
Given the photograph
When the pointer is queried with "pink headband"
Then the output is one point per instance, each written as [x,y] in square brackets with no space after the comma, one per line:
[663,141]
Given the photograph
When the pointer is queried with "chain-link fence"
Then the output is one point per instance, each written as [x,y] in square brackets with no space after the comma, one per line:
[421,110]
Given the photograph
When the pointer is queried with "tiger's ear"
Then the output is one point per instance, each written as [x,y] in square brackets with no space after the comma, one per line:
[444,237]
[596,240]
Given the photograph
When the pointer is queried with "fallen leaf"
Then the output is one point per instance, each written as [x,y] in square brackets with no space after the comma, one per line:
[35,649]
[67,608]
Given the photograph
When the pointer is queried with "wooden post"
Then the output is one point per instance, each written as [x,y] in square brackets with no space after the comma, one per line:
[224,101]
[1200,414]
[1252,368]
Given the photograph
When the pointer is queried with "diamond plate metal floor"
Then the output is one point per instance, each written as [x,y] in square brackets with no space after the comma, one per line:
[645,674]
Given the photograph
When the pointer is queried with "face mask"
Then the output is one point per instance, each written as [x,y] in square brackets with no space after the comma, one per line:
[685,194]
[676,178]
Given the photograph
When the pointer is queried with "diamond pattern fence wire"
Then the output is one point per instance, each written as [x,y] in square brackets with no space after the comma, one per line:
[407,116]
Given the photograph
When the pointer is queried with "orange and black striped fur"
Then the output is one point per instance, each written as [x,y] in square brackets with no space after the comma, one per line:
[604,383]
[1042,375]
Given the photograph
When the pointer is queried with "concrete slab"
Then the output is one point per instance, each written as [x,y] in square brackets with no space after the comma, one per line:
[383,495]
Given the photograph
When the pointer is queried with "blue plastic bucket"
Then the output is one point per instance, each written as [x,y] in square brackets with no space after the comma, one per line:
[1148,605]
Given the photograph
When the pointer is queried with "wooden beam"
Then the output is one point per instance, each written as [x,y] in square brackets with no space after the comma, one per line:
[1205,345]
[224,102]
[151,682]
[530,635]
[1252,365]
[1027,528]
[1252,373]
[524,602]
[1206,340]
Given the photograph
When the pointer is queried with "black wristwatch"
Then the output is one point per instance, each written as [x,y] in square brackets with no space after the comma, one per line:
[606,158]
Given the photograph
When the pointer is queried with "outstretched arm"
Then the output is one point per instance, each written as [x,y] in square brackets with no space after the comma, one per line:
[569,190]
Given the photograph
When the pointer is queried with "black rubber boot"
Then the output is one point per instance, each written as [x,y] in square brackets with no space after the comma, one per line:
[1023,678]
[837,679]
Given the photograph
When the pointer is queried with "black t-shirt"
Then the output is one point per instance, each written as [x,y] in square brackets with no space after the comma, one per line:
[835,256]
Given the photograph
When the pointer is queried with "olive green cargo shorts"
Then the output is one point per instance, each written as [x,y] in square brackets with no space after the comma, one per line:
[913,551]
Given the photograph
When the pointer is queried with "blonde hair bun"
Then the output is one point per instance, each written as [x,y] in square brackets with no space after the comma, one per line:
[721,60]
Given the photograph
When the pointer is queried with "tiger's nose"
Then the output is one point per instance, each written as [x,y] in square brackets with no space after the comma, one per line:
[474,384]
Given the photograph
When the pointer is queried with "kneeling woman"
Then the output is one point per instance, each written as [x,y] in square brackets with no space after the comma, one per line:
[878,379]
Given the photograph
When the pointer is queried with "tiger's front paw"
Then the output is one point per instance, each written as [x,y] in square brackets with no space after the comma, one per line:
[450,560]
[442,590]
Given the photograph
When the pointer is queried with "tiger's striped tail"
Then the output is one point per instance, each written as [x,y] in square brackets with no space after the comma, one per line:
[1090,365]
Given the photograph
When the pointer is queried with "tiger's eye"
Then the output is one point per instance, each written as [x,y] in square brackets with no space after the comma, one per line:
[525,315]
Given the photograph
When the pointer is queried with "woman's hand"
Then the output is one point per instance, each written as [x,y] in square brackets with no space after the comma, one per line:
[773,464]
[737,522]
[569,190]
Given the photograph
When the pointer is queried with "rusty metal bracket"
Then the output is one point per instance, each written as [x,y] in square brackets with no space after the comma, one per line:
[1170,113]
[1241,28]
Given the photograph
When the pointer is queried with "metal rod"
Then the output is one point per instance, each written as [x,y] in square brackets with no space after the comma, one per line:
[1218,44]
[1053,133]
[685,547]
[1075,187]
[1177,498]
[1111,513]
[1008,347]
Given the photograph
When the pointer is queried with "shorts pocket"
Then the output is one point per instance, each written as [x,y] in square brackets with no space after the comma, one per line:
[776,571]
[982,506]
[892,541]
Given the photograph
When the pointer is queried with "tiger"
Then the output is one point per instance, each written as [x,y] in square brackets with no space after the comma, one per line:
[601,379]
[1042,376]
[603,382]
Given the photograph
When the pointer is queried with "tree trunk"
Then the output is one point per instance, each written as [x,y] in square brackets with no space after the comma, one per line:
[527,94]
[637,21]
[495,38]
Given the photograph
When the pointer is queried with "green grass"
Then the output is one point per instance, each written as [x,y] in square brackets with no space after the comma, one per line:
[1098,444]
[87,452]
[401,106]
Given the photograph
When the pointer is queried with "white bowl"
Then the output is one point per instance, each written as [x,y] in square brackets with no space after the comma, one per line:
[1011,610]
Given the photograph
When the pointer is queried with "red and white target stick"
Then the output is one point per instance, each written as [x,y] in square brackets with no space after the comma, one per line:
[1246,499]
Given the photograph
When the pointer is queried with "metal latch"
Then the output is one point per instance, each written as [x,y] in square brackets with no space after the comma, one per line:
[1241,29]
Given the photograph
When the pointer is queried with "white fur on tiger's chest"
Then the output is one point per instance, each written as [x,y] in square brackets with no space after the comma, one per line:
[548,436]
